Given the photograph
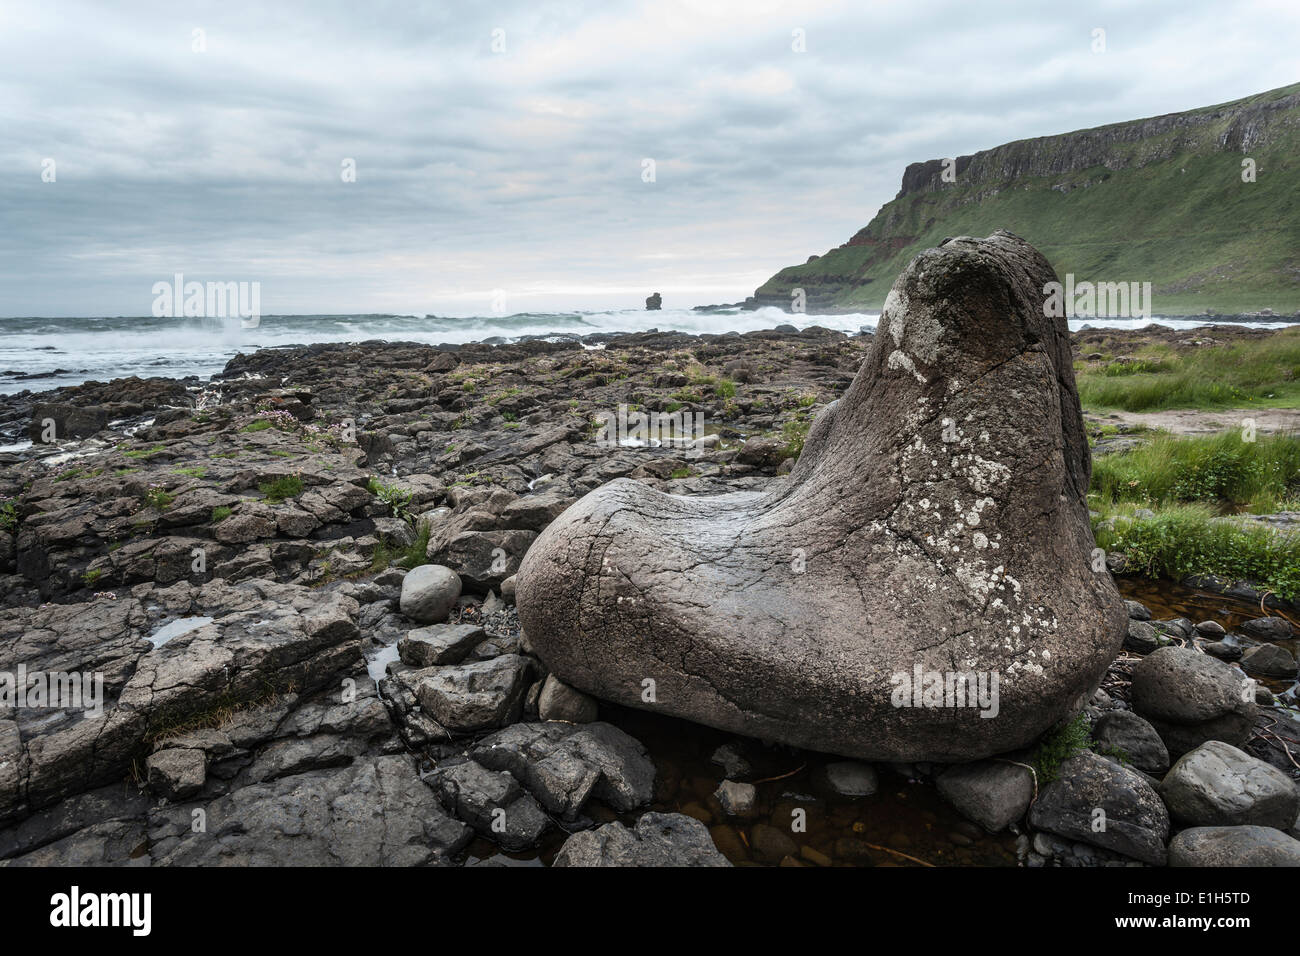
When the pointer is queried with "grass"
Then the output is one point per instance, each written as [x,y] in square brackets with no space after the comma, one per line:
[143,452]
[281,489]
[8,515]
[220,514]
[410,556]
[1257,475]
[794,433]
[1165,506]
[259,425]
[1192,539]
[1265,373]
[159,498]
[196,472]
[1058,746]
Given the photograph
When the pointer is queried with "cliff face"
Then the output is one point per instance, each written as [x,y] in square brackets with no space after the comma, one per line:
[1160,200]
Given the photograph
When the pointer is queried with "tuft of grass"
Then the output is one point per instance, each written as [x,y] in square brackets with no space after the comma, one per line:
[281,489]
[258,425]
[794,433]
[1058,746]
[725,388]
[196,472]
[91,576]
[220,514]
[1221,468]
[1192,539]
[8,515]
[1265,372]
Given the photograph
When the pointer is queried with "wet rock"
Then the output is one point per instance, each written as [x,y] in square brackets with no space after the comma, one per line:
[563,765]
[1233,846]
[559,701]
[374,811]
[658,839]
[492,802]
[736,799]
[742,644]
[1190,698]
[1217,785]
[993,793]
[1136,611]
[478,696]
[1268,629]
[1210,629]
[429,592]
[1135,738]
[731,760]
[1136,821]
[849,778]
[1141,637]
[439,644]
[772,844]
[176,773]
[1269,660]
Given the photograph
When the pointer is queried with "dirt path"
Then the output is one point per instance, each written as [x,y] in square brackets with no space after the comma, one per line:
[1196,422]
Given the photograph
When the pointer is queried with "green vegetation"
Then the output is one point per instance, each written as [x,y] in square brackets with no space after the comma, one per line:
[682,472]
[258,425]
[158,497]
[1058,746]
[196,472]
[1258,475]
[1183,220]
[397,499]
[281,489]
[1178,540]
[143,452]
[220,514]
[408,556]
[794,433]
[8,515]
[91,576]
[1265,372]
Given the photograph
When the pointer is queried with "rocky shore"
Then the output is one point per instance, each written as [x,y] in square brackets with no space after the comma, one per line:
[297,582]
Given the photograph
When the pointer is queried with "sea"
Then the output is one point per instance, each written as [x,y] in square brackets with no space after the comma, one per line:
[44,353]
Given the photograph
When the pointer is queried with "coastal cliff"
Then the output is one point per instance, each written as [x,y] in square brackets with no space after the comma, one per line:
[1164,200]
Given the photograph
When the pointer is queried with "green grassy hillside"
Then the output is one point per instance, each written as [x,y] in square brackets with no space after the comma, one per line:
[1159,200]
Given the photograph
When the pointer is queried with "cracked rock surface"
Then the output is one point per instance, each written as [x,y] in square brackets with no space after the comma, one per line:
[936,518]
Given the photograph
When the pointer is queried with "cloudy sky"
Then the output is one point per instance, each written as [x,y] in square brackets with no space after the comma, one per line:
[502,146]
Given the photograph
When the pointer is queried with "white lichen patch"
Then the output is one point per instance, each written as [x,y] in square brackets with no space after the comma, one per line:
[899,359]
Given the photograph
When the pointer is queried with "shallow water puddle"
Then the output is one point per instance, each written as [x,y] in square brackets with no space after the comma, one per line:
[377,661]
[182,625]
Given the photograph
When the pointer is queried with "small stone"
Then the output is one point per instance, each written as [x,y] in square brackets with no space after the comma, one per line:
[1135,738]
[1137,612]
[771,844]
[1268,629]
[439,644]
[1211,629]
[850,778]
[729,758]
[993,793]
[736,799]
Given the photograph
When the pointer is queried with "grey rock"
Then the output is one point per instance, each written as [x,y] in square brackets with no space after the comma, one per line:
[1233,846]
[731,760]
[1134,736]
[492,802]
[563,765]
[1141,637]
[1136,821]
[429,592]
[993,793]
[478,696]
[439,644]
[176,773]
[1191,697]
[1268,629]
[1137,612]
[1218,785]
[736,799]
[1269,660]
[850,778]
[697,592]
[559,701]
[658,839]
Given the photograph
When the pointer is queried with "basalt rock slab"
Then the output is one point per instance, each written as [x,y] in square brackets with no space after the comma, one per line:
[935,519]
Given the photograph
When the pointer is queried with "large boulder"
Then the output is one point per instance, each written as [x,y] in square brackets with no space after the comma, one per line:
[429,592]
[1190,697]
[935,522]
[1218,785]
